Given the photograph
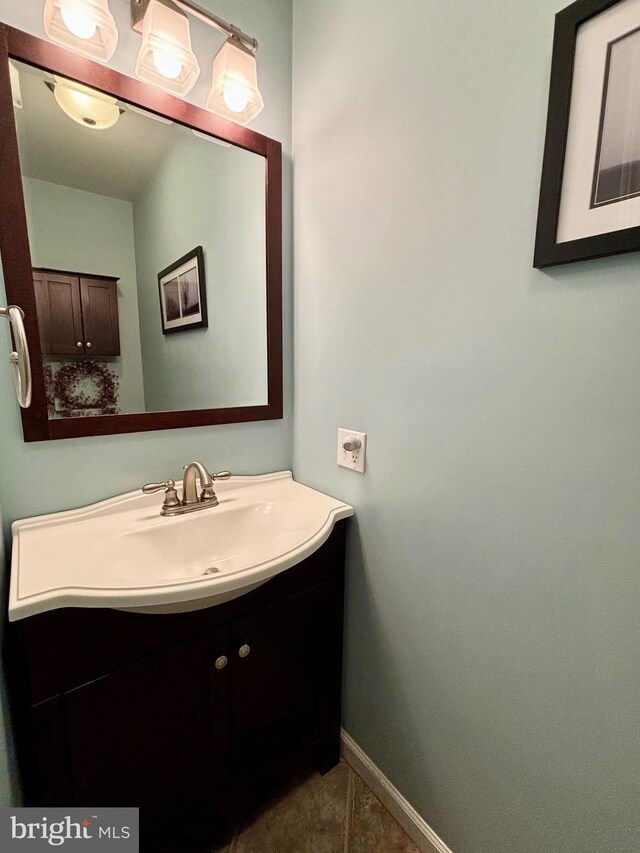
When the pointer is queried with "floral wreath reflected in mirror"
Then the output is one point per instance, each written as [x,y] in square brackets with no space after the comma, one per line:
[78,389]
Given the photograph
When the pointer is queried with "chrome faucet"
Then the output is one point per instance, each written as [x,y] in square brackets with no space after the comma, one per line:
[191,500]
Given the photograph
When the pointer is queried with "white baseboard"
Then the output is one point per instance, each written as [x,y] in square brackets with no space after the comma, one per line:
[416,828]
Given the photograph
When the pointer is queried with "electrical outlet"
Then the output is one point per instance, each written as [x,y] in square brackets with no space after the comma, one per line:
[351,449]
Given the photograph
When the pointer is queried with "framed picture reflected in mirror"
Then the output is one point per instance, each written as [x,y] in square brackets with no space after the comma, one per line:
[183,294]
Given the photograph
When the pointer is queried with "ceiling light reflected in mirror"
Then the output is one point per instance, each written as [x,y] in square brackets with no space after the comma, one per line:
[86,106]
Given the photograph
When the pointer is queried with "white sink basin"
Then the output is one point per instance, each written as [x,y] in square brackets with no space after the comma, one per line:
[121,553]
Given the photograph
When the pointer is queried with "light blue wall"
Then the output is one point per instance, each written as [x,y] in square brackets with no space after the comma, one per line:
[78,231]
[214,197]
[50,476]
[492,628]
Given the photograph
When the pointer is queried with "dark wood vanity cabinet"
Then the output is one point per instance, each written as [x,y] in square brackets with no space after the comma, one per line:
[155,733]
[77,314]
[190,716]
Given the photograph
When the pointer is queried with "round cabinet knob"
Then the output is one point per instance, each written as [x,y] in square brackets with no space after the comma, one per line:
[79,343]
[89,344]
[243,651]
[221,662]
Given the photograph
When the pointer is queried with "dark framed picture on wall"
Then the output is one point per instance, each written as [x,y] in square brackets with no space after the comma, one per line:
[590,190]
[183,294]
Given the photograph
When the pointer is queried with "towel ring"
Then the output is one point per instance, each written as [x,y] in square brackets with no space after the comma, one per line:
[19,360]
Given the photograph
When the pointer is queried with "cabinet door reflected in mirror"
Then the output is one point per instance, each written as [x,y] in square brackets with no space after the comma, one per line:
[148,248]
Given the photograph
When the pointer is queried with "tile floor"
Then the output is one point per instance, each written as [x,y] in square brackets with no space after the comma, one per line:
[336,813]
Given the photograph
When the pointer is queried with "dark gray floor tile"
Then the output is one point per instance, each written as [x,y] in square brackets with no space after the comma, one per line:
[372,829]
[309,819]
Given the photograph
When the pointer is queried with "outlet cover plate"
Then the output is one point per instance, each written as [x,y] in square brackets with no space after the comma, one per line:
[353,459]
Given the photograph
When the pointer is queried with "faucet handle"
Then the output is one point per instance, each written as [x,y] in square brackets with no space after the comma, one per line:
[150,488]
[208,493]
[171,496]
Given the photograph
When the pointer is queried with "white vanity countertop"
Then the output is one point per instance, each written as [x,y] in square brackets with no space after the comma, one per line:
[121,553]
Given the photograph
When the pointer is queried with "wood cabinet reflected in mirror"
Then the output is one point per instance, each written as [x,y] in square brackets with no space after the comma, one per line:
[77,315]
[92,217]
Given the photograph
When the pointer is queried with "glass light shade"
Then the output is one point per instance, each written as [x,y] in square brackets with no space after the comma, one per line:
[166,59]
[84,105]
[84,26]
[234,94]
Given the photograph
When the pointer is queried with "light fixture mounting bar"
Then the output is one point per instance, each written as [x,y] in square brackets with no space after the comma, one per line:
[138,8]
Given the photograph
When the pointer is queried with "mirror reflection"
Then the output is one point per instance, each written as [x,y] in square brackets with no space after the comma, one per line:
[148,247]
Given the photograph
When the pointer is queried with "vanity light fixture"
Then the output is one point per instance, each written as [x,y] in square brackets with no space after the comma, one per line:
[234,93]
[84,26]
[85,105]
[164,24]
[165,58]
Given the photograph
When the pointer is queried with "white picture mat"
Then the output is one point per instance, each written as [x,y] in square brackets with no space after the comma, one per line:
[576,217]
[188,266]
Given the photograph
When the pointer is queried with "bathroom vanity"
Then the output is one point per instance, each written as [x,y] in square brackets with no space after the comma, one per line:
[187,665]
[190,716]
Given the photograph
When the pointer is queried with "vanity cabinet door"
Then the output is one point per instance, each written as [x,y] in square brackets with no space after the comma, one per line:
[155,735]
[282,688]
[100,316]
[48,781]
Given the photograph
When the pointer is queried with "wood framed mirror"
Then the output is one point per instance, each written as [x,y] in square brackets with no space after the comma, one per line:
[197,251]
